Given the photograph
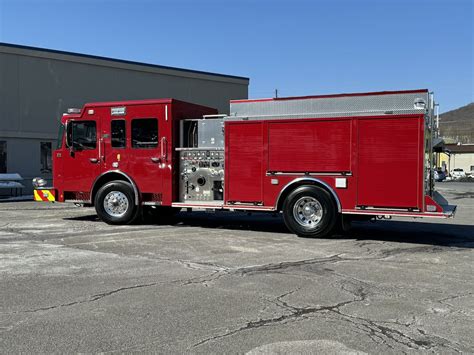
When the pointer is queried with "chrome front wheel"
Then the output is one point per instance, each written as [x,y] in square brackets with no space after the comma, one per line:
[116,204]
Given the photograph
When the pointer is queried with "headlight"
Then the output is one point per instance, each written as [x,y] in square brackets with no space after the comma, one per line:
[39,182]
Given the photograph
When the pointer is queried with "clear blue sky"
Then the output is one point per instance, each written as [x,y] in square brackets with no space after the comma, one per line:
[301,47]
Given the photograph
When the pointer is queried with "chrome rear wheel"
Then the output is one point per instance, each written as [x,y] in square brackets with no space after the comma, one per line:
[308,212]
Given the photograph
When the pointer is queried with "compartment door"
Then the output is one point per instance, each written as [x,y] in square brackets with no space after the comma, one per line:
[244,162]
[389,163]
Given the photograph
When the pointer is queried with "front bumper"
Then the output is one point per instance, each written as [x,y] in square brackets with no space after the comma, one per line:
[46,194]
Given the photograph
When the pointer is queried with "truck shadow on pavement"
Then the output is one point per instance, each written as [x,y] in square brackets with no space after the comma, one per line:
[450,235]
[437,234]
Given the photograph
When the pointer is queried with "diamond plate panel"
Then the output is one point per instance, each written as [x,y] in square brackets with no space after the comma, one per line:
[341,106]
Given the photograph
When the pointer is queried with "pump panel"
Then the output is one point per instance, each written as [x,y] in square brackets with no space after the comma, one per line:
[202,175]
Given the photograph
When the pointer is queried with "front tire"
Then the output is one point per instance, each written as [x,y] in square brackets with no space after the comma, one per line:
[310,211]
[115,203]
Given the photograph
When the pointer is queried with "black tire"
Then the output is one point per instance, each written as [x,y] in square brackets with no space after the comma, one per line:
[320,209]
[126,200]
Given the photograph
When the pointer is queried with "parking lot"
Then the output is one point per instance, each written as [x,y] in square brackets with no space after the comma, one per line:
[234,283]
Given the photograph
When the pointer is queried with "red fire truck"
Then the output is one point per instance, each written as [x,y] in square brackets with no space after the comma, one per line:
[319,160]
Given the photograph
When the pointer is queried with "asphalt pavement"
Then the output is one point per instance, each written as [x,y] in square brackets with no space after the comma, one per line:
[234,283]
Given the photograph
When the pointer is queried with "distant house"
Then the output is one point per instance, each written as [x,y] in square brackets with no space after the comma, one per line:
[456,127]
[456,156]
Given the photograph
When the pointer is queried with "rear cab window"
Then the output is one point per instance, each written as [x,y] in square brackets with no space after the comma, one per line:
[118,133]
[144,133]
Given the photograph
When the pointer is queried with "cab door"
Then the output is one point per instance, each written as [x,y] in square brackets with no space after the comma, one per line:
[146,155]
[146,161]
[81,162]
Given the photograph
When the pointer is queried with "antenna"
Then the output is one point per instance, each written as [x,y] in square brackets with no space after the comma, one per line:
[276,93]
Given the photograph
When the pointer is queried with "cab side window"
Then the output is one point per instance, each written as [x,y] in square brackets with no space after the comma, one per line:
[118,133]
[145,133]
[82,135]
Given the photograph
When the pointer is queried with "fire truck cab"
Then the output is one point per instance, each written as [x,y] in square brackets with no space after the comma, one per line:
[319,160]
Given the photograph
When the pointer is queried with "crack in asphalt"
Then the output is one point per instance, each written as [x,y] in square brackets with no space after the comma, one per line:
[96,297]
[250,270]
[453,297]
[265,268]
[293,313]
[373,329]
[92,298]
[221,271]
[293,316]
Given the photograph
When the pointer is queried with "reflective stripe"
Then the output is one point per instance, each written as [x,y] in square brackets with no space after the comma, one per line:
[50,196]
[36,196]
[44,195]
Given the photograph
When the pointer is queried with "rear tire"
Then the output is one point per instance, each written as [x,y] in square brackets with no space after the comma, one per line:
[115,203]
[310,211]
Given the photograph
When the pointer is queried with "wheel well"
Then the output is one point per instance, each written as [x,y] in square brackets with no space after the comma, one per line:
[306,182]
[108,177]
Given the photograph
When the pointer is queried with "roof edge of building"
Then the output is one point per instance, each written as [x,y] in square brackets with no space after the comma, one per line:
[119,61]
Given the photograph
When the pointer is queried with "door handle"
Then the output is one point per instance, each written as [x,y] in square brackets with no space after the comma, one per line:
[93,160]
[155,160]
[164,149]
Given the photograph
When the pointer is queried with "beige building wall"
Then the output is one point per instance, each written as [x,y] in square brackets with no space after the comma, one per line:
[37,86]
[464,161]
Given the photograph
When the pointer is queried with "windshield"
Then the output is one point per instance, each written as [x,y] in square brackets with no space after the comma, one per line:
[59,143]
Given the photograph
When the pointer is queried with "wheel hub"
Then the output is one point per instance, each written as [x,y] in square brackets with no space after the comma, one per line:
[308,212]
[116,204]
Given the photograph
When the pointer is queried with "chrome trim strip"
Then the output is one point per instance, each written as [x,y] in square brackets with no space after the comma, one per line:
[222,207]
[401,214]
[77,201]
[214,116]
[201,148]
[249,208]
[135,189]
[198,204]
[151,203]
[372,208]
[309,174]
[310,179]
